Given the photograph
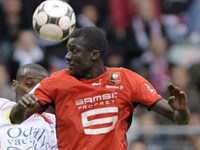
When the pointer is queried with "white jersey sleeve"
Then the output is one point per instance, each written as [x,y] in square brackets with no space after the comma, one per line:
[35,133]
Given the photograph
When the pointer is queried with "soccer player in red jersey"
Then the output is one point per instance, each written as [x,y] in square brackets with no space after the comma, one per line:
[94,102]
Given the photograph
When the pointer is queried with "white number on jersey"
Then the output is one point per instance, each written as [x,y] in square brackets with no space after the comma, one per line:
[87,123]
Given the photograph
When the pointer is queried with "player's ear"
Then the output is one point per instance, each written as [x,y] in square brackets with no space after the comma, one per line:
[14,85]
[95,54]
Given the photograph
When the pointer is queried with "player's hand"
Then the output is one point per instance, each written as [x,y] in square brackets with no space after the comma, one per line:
[27,101]
[178,99]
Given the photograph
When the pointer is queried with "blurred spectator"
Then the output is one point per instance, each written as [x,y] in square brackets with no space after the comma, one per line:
[26,50]
[153,64]
[158,63]
[5,50]
[101,6]
[5,85]
[120,15]
[134,130]
[196,143]
[181,20]
[144,26]
[194,73]
[148,121]
[194,119]
[195,122]
[89,16]
[175,28]
[174,18]
[137,145]
[159,67]
[115,56]
[12,20]
[184,54]
[115,59]
[193,21]
[175,6]
[28,9]
[180,77]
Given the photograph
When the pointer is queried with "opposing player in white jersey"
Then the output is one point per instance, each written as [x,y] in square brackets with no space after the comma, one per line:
[37,132]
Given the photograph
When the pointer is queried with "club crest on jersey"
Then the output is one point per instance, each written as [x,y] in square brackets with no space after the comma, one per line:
[115,78]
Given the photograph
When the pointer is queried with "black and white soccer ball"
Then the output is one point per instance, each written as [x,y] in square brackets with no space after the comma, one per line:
[54,20]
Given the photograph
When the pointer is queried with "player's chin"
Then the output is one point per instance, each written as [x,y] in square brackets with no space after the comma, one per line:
[72,71]
[71,68]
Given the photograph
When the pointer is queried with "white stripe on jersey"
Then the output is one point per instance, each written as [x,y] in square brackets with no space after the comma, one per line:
[36,86]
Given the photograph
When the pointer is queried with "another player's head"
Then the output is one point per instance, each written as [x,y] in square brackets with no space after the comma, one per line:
[27,77]
[86,49]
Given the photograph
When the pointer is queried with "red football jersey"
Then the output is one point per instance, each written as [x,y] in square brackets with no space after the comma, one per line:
[92,114]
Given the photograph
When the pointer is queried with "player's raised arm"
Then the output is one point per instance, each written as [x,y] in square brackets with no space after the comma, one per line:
[176,108]
[26,106]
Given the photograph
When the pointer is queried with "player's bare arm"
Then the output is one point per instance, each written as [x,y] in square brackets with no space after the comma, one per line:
[27,105]
[176,108]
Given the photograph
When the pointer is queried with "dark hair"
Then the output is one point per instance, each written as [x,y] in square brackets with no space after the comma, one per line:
[32,68]
[93,38]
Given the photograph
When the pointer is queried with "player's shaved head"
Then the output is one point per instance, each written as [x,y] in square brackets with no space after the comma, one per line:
[32,68]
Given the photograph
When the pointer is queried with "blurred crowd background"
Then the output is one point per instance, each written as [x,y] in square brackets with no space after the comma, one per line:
[159,39]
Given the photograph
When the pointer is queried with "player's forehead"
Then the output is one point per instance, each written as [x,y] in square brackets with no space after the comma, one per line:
[31,74]
[76,41]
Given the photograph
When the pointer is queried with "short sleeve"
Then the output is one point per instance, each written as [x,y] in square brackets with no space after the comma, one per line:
[142,91]
[43,91]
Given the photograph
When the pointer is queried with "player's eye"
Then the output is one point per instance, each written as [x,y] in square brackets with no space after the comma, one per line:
[75,51]
[29,84]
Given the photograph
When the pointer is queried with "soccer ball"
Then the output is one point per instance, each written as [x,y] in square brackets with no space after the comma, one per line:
[54,20]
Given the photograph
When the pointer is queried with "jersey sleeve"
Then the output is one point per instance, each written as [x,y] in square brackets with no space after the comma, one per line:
[142,91]
[43,91]
[49,88]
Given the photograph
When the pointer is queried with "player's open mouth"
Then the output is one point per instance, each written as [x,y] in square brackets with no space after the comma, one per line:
[70,66]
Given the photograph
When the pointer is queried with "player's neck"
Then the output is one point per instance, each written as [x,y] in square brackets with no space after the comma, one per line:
[94,73]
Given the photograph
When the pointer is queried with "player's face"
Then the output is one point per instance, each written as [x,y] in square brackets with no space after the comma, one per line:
[26,83]
[78,58]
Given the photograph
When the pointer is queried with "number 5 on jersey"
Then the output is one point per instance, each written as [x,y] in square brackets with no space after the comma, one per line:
[88,123]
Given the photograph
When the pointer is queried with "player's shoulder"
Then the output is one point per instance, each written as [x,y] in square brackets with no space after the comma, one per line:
[122,70]
[6,102]
[125,73]
[117,69]
[3,100]
[60,73]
